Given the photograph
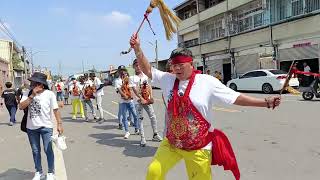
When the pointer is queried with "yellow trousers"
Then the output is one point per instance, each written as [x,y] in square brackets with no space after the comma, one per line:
[75,104]
[198,162]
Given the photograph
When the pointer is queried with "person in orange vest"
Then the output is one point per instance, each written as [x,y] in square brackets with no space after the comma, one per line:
[75,92]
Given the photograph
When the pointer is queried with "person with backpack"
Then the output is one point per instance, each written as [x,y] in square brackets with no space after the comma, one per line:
[75,91]
[10,100]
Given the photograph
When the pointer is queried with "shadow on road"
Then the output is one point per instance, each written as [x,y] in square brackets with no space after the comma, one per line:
[68,119]
[7,124]
[16,174]
[106,127]
[132,148]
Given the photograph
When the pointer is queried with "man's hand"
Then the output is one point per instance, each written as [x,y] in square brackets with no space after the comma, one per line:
[60,128]
[135,41]
[125,97]
[142,101]
[273,101]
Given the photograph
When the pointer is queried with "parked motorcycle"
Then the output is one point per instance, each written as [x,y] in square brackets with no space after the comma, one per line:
[308,93]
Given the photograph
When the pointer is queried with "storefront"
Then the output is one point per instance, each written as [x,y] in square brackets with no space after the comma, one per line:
[220,63]
[300,51]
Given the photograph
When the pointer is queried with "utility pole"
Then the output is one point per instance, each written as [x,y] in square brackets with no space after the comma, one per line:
[156,49]
[60,68]
[82,67]
[32,65]
[24,62]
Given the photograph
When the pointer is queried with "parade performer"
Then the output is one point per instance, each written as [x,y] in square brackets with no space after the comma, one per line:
[190,132]
[98,94]
[87,94]
[144,100]
[124,86]
[75,91]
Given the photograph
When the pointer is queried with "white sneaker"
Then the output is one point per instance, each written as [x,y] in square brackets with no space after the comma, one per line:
[50,176]
[143,142]
[37,176]
[126,136]
[157,137]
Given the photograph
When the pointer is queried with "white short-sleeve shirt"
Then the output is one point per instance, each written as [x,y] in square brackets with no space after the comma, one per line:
[97,82]
[136,81]
[40,112]
[117,85]
[205,92]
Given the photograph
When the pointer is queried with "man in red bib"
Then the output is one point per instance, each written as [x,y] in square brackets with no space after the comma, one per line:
[189,98]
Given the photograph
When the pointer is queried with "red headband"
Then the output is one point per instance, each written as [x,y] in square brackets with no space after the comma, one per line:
[181,59]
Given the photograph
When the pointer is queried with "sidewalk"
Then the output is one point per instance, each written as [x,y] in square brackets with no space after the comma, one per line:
[3,111]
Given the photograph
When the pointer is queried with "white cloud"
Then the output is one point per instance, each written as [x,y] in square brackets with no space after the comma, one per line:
[117,18]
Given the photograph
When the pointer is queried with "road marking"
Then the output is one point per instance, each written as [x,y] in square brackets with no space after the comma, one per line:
[114,116]
[225,109]
[60,168]
[114,102]
[214,108]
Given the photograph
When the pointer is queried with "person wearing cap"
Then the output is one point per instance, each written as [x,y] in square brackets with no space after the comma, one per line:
[140,81]
[118,82]
[190,134]
[125,102]
[41,104]
[99,93]
[87,95]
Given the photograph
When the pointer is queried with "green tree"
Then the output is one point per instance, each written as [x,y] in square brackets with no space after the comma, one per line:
[16,61]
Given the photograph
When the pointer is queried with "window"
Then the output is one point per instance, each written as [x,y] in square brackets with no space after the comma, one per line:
[248,75]
[312,5]
[260,74]
[212,29]
[257,19]
[297,7]
[254,74]
[211,3]
[250,16]
[276,71]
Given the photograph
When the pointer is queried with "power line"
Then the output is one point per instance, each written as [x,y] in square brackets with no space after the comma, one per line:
[6,30]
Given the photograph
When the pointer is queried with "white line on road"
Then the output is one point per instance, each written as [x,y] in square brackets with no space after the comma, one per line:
[114,116]
[60,168]
[114,102]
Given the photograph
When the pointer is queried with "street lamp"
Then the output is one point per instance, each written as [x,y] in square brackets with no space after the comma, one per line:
[31,56]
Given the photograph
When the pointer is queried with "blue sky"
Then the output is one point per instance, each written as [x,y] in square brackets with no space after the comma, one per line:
[72,31]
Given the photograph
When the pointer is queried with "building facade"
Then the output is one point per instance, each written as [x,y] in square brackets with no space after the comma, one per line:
[17,66]
[235,36]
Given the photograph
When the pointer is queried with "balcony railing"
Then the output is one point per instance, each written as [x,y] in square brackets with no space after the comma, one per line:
[189,43]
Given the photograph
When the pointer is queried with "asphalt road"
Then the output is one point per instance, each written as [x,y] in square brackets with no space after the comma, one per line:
[269,144]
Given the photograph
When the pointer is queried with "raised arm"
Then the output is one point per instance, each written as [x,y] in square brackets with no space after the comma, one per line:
[142,60]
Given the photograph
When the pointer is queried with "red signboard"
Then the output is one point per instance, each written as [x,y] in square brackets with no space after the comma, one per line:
[302,45]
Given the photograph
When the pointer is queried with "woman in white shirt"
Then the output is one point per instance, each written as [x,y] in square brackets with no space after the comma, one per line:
[41,104]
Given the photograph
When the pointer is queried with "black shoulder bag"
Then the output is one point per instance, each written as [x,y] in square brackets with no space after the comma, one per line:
[23,125]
